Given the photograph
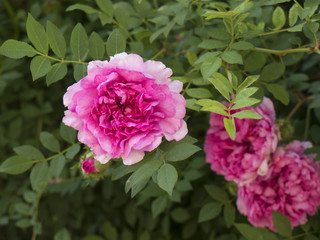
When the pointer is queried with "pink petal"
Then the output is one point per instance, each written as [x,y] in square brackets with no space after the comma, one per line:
[134,157]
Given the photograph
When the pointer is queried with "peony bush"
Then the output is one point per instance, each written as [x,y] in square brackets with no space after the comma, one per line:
[159,119]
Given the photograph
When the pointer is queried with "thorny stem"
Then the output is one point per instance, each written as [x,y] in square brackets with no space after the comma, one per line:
[284,52]
[60,60]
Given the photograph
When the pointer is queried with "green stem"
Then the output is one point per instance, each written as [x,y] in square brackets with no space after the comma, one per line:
[13,17]
[298,105]
[56,155]
[60,60]
[298,4]
[158,54]
[284,52]
[306,130]
[162,157]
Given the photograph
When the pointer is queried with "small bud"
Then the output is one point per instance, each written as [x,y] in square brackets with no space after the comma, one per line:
[88,166]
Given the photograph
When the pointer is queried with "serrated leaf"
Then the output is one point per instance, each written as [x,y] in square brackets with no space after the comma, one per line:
[56,40]
[73,151]
[56,165]
[212,44]
[282,224]
[22,208]
[192,57]
[221,87]
[96,46]
[167,177]
[229,213]
[224,80]
[39,67]
[279,92]
[247,114]
[245,93]
[209,211]
[249,232]
[49,142]
[16,165]
[79,42]
[293,15]
[232,57]
[29,152]
[16,49]
[106,6]
[248,81]
[233,79]
[210,67]
[278,18]
[254,61]
[87,9]
[39,176]
[217,193]
[181,152]
[37,34]
[79,71]
[158,205]
[230,127]
[56,73]
[116,43]
[67,133]
[311,3]
[199,93]
[272,72]
[212,106]
[242,45]
[30,196]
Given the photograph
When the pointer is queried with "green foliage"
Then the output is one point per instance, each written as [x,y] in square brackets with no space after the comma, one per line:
[231,51]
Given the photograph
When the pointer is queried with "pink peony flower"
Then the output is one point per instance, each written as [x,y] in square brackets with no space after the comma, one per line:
[292,187]
[124,107]
[248,156]
[88,166]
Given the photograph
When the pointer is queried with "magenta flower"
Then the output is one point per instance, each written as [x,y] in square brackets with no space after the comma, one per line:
[248,156]
[124,107]
[292,187]
[88,166]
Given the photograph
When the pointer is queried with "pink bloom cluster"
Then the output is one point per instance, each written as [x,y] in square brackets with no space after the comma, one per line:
[124,107]
[291,187]
[269,177]
[248,156]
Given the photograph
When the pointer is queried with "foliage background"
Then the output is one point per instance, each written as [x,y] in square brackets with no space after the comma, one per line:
[278,41]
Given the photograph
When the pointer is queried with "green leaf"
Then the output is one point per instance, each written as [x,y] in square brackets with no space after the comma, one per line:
[87,9]
[293,15]
[245,102]
[180,215]
[232,57]
[56,40]
[96,46]
[279,92]
[30,196]
[254,61]
[245,93]
[209,67]
[247,114]
[16,49]
[37,34]
[248,81]
[109,231]
[192,57]
[22,208]
[282,224]
[67,133]
[105,19]
[199,93]
[278,18]
[311,3]
[212,44]
[223,80]
[221,87]
[272,72]
[16,165]
[212,106]
[39,176]
[116,43]
[49,142]
[56,165]
[39,67]
[167,177]
[181,152]
[73,151]
[106,6]
[62,234]
[122,16]
[242,45]
[143,173]
[230,127]
[79,42]
[56,73]
[158,205]
[312,26]
[229,213]
[79,71]
[217,193]
[209,211]
[249,232]
[24,223]
[29,152]
[233,79]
